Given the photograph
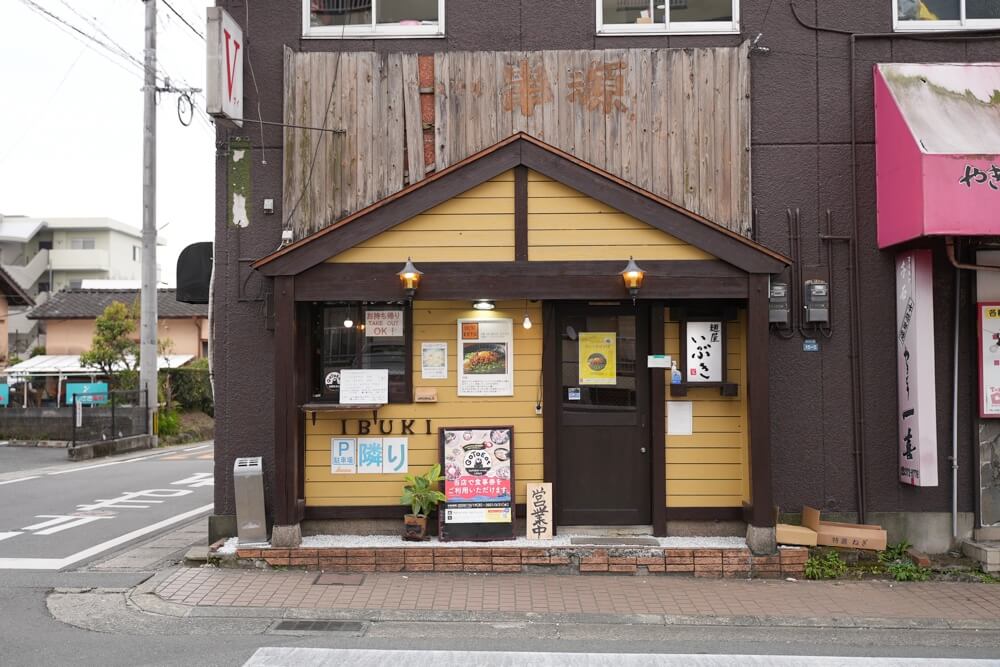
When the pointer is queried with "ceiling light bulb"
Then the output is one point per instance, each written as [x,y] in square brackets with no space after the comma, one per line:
[527,322]
[348,323]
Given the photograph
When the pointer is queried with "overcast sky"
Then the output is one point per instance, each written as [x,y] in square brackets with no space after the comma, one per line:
[71,118]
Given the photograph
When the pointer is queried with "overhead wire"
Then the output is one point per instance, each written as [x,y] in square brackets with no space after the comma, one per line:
[184,20]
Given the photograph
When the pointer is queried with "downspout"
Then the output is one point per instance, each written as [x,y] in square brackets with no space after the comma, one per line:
[856,331]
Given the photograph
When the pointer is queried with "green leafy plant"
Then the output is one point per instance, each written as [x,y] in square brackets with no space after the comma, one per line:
[894,552]
[37,350]
[420,491]
[169,423]
[907,570]
[825,566]
[112,349]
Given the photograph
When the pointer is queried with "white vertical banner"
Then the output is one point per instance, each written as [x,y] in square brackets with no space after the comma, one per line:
[915,386]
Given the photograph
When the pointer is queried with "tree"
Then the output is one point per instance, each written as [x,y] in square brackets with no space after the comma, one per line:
[113,349]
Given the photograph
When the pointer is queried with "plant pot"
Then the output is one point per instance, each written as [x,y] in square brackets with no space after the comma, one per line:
[415,527]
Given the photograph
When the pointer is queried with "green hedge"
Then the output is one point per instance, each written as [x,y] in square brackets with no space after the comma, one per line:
[190,387]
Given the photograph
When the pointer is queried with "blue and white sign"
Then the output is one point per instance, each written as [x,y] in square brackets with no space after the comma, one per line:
[92,393]
[4,395]
[343,456]
[395,455]
[370,455]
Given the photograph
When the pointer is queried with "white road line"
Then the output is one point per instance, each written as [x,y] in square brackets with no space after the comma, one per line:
[59,563]
[110,463]
[309,657]
[20,479]
[9,534]
[194,449]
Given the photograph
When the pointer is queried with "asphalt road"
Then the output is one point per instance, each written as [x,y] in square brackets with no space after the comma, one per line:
[25,458]
[66,514]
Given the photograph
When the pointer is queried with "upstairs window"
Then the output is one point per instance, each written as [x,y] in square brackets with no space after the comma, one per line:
[82,244]
[946,14]
[366,19]
[659,17]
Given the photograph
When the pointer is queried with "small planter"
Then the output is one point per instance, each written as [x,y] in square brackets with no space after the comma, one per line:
[415,527]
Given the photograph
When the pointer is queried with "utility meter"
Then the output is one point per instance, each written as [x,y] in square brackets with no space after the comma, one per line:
[817,302]
[777,305]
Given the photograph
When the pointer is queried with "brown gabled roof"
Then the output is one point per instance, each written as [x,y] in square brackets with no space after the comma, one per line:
[87,304]
[10,289]
[522,149]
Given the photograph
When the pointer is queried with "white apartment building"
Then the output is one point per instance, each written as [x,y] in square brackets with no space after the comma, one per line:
[45,255]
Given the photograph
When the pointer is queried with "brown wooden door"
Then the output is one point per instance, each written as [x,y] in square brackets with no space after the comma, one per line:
[603,448]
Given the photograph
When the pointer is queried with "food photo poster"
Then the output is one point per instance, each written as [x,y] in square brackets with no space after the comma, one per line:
[485,357]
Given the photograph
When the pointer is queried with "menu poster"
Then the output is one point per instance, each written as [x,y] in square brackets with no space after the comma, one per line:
[364,387]
[989,360]
[598,357]
[485,357]
[479,483]
[434,361]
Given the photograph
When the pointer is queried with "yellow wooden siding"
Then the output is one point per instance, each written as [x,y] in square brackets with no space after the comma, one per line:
[566,225]
[710,467]
[477,225]
[436,321]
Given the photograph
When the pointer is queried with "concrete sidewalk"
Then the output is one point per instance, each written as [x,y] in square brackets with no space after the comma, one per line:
[210,591]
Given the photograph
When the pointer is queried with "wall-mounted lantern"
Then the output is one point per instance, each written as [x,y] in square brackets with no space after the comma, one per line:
[632,275]
[410,277]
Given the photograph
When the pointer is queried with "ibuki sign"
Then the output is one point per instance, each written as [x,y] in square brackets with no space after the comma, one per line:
[915,369]
[225,67]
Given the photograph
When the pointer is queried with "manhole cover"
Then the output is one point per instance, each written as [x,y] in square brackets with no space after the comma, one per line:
[339,580]
[298,627]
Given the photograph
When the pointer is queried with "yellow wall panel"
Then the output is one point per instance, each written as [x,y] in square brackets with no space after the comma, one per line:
[703,471]
[424,254]
[704,456]
[605,251]
[705,501]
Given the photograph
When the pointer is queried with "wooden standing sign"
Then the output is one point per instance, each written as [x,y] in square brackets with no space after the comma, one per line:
[539,511]
[479,483]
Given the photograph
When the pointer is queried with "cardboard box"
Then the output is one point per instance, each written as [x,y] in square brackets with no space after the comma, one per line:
[846,535]
[797,535]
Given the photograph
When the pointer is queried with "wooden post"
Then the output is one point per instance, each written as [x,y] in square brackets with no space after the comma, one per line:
[758,337]
[658,420]
[286,414]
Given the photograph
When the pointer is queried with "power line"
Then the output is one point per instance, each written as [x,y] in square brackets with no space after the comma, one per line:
[184,20]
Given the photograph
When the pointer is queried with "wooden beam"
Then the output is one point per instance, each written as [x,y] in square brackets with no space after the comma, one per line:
[286,416]
[521,214]
[671,279]
[758,338]
[658,420]
[551,395]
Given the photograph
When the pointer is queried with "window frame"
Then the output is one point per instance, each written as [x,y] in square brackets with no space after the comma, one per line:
[372,31]
[83,240]
[963,23]
[399,396]
[666,28]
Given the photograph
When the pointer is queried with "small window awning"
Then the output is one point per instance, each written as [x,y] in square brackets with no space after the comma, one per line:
[937,149]
[52,365]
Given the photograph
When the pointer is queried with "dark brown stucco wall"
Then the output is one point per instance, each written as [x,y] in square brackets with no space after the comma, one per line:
[801,160]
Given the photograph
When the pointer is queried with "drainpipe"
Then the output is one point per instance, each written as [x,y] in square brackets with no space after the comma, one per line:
[855,293]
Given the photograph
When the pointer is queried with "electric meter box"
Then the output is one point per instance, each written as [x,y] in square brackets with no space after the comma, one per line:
[816,302]
[777,305]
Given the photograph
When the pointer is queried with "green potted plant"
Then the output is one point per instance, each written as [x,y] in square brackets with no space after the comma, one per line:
[421,493]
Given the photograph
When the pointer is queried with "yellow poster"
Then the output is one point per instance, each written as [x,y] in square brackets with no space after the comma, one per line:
[597,357]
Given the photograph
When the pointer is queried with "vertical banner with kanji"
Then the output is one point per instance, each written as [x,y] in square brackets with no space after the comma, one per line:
[479,483]
[915,388]
[705,357]
[989,360]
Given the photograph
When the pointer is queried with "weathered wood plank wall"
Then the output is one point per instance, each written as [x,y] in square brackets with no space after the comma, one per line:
[672,121]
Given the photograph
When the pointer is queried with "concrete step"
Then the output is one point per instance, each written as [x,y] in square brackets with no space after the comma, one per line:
[986,552]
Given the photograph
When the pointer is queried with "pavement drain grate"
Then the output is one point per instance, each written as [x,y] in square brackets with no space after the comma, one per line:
[339,580]
[318,626]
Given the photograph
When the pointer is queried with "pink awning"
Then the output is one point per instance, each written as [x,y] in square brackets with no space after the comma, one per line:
[937,149]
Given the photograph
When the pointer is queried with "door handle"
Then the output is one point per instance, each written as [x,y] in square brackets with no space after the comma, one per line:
[642,449]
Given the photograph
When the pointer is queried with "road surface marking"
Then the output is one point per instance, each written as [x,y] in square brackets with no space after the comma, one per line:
[19,479]
[110,463]
[9,534]
[197,479]
[194,449]
[60,522]
[135,500]
[59,563]
[306,657]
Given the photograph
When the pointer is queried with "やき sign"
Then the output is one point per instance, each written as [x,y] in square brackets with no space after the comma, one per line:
[479,483]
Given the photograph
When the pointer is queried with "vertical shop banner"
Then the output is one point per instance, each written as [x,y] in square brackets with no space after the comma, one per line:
[479,483]
[915,369]
[705,358]
[486,357]
[598,357]
[989,360]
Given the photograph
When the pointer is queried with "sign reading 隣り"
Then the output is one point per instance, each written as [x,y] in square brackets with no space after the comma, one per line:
[479,483]
[915,369]
[989,360]
[224,94]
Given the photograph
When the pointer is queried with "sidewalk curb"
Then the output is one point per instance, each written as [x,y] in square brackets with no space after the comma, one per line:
[145,599]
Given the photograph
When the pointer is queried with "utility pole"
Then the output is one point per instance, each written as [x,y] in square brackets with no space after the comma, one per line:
[148,315]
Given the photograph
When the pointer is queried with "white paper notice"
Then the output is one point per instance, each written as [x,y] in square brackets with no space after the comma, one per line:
[679,418]
[364,387]
[434,361]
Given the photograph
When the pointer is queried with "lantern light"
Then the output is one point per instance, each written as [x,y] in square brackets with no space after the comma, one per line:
[410,278]
[632,275]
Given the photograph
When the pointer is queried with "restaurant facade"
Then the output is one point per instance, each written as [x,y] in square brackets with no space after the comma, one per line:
[630,252]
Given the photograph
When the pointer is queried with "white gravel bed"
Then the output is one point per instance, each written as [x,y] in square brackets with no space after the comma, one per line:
[382,541]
